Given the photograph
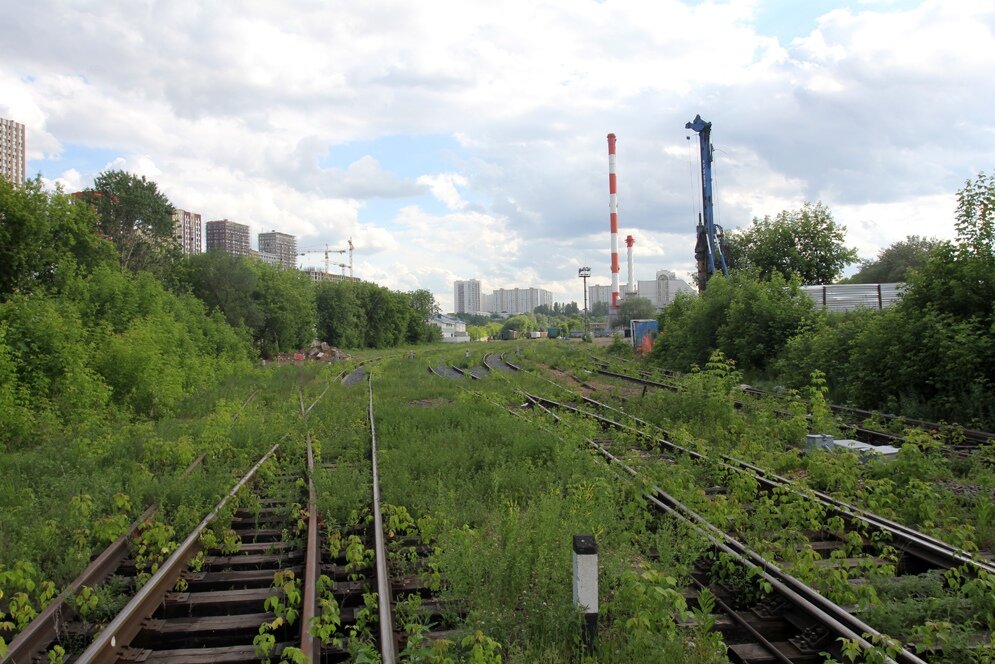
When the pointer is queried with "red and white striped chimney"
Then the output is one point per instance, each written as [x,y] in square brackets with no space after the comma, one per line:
[613,208]
[630,286]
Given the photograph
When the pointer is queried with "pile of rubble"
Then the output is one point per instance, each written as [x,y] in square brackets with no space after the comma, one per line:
[318,352]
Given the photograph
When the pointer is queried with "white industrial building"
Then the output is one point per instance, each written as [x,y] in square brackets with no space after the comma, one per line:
[662,290]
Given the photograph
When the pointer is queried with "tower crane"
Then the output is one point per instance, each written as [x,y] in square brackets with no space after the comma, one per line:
[708,247]
[328,263]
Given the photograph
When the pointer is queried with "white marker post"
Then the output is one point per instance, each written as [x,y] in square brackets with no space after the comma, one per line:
[585,564]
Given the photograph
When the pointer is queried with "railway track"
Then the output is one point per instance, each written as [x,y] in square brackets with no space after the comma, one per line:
[787,620]
[61,622]
[256,579]
[956,439]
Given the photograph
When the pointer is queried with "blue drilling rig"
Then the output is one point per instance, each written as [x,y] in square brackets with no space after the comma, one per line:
[708,247]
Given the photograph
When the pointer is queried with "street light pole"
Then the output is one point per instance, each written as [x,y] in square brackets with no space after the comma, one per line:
[584,273]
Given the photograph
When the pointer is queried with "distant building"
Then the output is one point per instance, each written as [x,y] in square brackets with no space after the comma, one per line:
[518,300]
[281,245]
[227,236]
[662,290]
[12,151]
[453,329]
[317,275]
[265,256]
[597,294]
[466,297]
[187,231]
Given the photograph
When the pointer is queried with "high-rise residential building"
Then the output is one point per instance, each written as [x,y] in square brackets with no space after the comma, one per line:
[281,245]
[12,151]
[518,300]
[187,231]
[596,294]
[227,236]
[466,297]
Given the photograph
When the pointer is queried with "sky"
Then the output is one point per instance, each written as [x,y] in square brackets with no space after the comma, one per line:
[467,139]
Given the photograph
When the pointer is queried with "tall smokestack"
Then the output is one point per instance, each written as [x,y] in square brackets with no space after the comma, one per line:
[613,208]
[631,285]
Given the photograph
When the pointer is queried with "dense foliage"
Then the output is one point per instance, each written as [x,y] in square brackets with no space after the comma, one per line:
[893,264]
[78,347]
[747,318]
[275,306]
[44,238]
[807,243]
[634,308]
[359,314]
[137,218]
[930,356]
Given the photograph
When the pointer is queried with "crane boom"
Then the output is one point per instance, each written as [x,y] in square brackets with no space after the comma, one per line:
[328,263]
[708,247]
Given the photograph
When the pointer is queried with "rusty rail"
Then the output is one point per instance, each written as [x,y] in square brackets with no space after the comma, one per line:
[128,622]
[384,596]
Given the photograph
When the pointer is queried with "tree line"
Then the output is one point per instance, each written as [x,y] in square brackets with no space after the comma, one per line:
[101,317]
[932,355]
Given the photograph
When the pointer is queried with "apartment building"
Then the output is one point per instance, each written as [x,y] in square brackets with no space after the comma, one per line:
[12,164]
[227,236]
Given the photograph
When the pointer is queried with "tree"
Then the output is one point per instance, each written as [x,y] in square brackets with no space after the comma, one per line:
[633,308]
[423,308]
[137,218]
[747,318]
[599,309]
[472,319]
[223,282]
[959,278]
[44,237]
[894,262]
[522,323]
[341,319]
[286,300]
[805,242]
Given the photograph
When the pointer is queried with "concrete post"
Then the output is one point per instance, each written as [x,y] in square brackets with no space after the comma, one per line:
[585,569]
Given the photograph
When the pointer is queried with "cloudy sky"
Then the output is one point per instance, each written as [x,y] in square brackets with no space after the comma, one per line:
[466,139]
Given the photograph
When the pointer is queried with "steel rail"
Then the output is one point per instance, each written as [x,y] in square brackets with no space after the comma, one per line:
[464,372]
[34,639]
[972,437]
[929,548]
[744,624]
[822,609]
[385,599]
[44,628]
[924,546]
[311,645]
[514,367]
[127,623]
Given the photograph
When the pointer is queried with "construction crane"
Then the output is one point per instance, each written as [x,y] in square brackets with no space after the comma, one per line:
[708,247]
[328,263]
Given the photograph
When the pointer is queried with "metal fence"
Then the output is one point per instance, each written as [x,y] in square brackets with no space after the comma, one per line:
[847,297]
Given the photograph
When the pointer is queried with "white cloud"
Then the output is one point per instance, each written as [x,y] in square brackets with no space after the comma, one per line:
[443,187]
[879,112]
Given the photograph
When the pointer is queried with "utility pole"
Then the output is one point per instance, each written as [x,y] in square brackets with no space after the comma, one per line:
[584,273]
